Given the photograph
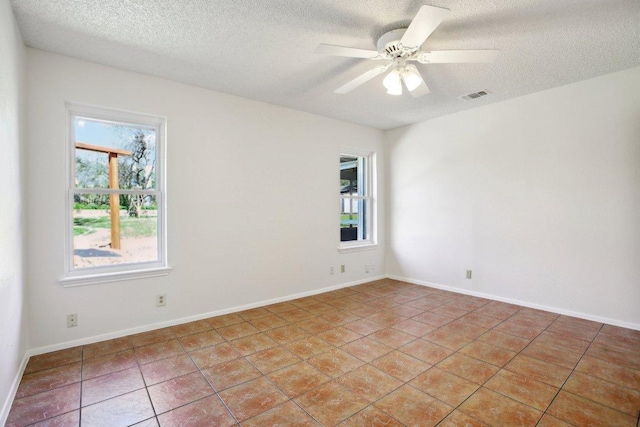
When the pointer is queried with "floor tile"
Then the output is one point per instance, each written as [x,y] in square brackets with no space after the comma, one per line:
[70,419]
[411,349]
[111,385]
[229,374]
[287,334]
[496,409]
[103,348]
[516,329]
[401,365]
[369,382]
[614,396]
[459,419]
[579,411]
[102,365]
[308,347]
[179,391]
[331,403]
[364,326]
[366,349]
[49,379]
[205,412]
[315,325]
[392,337]
[555,355]
[157,351]
[297,379]
[413,408]
[273,359]
[252,398]
[620,375]
[488,353]
[237,330]
[371,417]
[479,319]
[224,320]
[165,369]
[414,327]
[203,339]
[190,328]
[444,386]
[335,362]
[566,342]
[525,390]
[469,368]
[44,405]
[538,370]
[209,356]
[286,415]
[269,322]
[295,315]
[339,336]
[254,313]
[120,411]
[253,344]
[426,351]
[151,337]
[505,341]
[54,359]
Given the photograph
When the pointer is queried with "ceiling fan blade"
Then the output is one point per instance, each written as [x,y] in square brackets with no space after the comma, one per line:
[457,56]
[362,79]
[349,52]
[422,89]
[425,22]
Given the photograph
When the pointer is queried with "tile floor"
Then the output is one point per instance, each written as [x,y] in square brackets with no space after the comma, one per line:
[386,353]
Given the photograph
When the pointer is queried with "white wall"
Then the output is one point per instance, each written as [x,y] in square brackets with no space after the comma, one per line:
[234,166]
[13,325]
[539,196]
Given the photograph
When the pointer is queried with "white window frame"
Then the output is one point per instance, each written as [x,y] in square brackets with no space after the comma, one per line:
[366,198]
[101,274]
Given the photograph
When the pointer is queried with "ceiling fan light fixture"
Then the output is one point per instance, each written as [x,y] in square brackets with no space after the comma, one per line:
[411,78]
[393,83]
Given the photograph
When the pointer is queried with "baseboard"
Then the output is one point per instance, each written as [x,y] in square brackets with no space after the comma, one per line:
[557,310]
[151,327]
[6,407]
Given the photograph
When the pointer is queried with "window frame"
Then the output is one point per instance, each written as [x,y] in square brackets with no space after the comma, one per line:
[74,276]
[367,199]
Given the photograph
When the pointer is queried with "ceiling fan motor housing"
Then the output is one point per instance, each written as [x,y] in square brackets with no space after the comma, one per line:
[389,44]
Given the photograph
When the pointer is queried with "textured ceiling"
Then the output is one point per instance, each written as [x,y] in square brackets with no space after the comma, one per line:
[263,49]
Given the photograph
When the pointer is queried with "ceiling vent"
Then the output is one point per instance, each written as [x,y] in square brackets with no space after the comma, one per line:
[475,95]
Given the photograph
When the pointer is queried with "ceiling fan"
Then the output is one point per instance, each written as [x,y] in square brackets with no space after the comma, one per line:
[398,47]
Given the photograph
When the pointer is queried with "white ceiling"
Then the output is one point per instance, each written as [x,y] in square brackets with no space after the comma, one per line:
[263,49]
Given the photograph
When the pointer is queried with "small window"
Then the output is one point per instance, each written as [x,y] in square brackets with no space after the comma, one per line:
[356,198]
[116,203]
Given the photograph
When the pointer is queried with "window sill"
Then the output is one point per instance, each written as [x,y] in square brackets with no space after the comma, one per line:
[358,248]
[93,279]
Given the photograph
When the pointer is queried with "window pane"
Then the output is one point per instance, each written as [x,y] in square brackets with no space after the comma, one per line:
[349,175]
[349,219]
[95,237]
[114,155]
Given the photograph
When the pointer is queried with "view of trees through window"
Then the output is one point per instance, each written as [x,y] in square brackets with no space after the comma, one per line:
[115,202]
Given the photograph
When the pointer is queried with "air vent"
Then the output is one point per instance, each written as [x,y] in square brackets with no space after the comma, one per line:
[475,95]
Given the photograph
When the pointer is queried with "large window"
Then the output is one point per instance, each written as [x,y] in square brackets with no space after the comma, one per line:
[356,198]
[116,200]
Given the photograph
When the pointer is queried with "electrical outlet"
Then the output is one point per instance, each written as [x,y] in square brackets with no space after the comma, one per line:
[161,300]
[72,320]
[468,274]
[342,268]
[366,268]
[373,266]
[331,270]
